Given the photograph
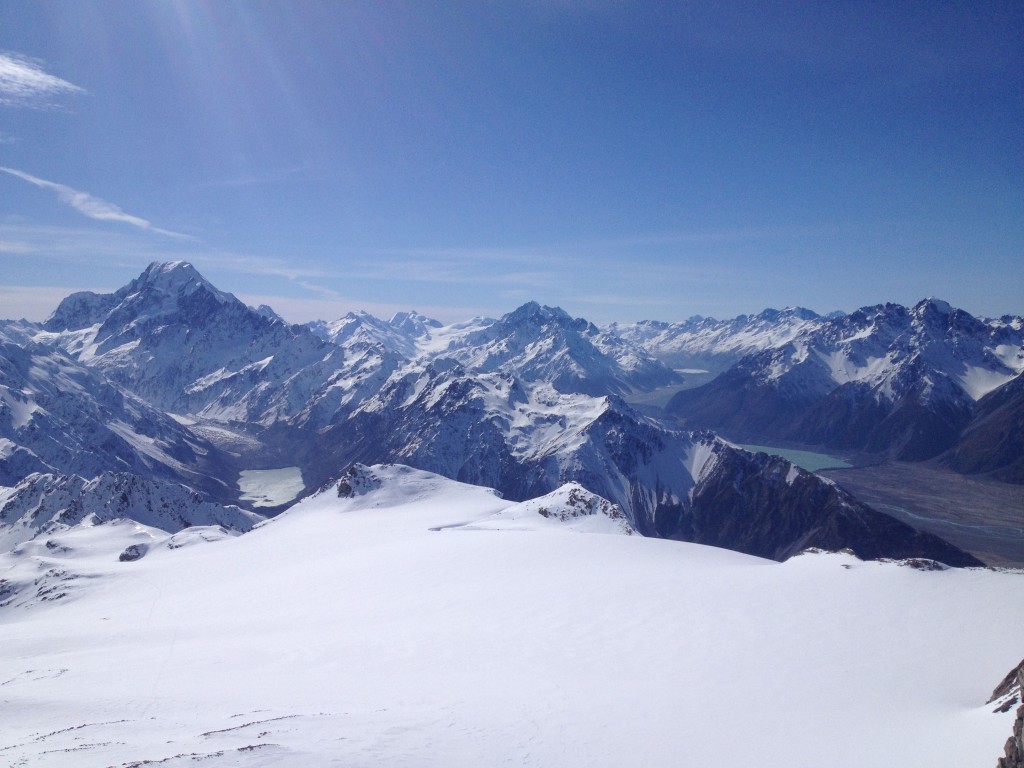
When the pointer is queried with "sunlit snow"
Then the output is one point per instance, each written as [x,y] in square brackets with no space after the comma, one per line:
[351,631]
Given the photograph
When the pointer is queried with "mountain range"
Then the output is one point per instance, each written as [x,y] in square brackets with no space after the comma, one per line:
[299,544]
[171,379]
[887,380]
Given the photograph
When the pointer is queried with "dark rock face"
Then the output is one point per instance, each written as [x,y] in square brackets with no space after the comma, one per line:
[1011,690]
[993,442]
[357,481]
[42,502]
[738,404]
[737,508]
[132,553]
[850,417]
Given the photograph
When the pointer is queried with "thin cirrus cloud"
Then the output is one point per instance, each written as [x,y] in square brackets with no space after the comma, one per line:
[24,83]
[93,207]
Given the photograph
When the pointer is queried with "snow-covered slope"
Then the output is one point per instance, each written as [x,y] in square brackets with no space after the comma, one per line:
[401,334]
[369,630]
[367,368]
[57,415]
[570,507]
[704,342]
[884,378]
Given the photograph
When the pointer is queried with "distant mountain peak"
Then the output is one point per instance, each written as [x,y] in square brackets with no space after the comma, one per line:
[535,315]
[413,323]
[534,311]
[775,315]
[175,278]
[268,312]
[159,283]
[802,312]
[180,267]
[933,304]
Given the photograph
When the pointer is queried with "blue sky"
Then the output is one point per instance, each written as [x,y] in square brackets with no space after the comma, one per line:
[620,160]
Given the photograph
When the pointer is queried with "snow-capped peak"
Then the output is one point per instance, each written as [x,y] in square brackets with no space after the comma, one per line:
[413,324]
[570,507]
[932,304]
[175,279]
[268,312]
[160,289]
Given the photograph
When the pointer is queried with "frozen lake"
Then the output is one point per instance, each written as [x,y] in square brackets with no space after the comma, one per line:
[270,487]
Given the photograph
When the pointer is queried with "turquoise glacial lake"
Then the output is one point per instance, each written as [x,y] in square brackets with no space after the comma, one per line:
[808,460]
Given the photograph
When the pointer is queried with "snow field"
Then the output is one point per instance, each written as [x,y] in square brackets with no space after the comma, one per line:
[348,632]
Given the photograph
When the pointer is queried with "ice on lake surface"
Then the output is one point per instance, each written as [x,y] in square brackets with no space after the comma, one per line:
[270,487]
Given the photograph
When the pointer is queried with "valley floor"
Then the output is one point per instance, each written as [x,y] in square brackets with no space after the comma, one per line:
[984,517]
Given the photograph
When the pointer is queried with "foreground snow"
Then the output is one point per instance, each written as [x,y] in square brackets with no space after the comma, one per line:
[373,631]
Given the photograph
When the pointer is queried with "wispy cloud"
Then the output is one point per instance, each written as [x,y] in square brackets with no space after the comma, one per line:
[14,246]
[258,265]
[91,206]
[451,273]
[130,249]
[712,236]
[24,83]
[609,299]
[283,175]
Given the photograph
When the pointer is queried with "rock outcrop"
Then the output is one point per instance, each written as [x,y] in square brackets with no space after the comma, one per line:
[1008,692]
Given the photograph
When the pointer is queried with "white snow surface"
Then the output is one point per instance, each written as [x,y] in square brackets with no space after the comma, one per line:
[351,631]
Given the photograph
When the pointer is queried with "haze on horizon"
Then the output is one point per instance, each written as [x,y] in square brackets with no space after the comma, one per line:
[621,162]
